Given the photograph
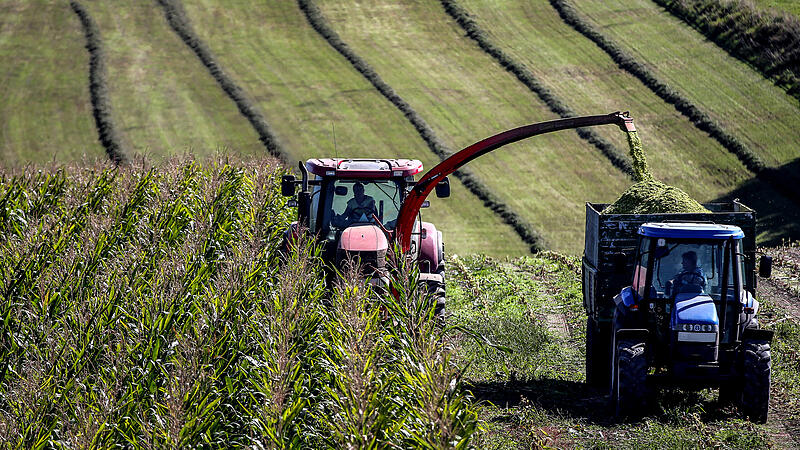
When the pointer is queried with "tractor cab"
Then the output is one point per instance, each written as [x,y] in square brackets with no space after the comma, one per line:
[351,206]
[689,281]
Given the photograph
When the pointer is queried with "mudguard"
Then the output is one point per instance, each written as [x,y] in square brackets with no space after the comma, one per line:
[431,250]
[757,334]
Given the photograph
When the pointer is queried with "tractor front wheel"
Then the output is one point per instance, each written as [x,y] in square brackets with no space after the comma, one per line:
[629,389]
[756,368]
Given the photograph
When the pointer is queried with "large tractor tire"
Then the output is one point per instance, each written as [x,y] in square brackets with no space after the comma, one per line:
[629,388]
[756,368]
[598,355]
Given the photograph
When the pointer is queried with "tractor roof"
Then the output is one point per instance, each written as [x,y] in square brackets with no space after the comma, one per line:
[364,168]
[690,231]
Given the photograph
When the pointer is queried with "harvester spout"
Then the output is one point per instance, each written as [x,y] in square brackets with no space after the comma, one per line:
[415,198]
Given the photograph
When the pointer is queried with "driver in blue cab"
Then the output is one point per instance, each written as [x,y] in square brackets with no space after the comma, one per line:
[691,277]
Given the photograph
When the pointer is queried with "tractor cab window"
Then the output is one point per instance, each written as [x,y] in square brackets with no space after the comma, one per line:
[690,267]
[362,201]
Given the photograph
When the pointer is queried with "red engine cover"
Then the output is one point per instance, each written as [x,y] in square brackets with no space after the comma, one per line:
[363,238]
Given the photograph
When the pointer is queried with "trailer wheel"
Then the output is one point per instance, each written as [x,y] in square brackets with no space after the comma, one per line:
[598,355]
[756,368]
[629,390]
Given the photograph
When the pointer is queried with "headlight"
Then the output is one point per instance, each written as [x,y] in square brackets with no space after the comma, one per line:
[696,327]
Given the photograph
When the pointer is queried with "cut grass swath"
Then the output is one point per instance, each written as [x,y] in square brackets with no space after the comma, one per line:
[101,102]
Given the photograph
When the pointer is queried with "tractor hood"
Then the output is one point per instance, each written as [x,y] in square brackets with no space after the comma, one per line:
[365,242]
[694,308]
[362,238]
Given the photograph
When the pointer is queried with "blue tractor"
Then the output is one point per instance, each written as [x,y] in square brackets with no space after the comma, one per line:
[687,316]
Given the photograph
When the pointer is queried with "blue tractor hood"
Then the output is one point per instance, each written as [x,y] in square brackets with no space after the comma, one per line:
[695,309]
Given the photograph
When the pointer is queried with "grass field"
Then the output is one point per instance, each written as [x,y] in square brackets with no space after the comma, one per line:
[587,78]
[307,90]
[465,96]
[742,101]
[165,101]
[44,82]
[790,6]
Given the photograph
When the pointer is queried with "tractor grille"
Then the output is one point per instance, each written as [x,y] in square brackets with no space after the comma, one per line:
[370,261]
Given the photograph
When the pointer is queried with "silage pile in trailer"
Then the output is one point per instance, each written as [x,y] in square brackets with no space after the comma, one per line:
[648,195]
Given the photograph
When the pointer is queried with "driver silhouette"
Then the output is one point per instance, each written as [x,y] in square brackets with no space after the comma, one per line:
[360,205]
[691,277]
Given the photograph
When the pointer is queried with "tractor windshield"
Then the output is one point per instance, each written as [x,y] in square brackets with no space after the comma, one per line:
[692,267]
[361,201]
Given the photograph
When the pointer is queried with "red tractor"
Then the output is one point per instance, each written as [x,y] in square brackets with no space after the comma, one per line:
[352,207]
[362,207]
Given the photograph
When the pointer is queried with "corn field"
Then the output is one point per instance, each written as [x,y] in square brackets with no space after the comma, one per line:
[151,308]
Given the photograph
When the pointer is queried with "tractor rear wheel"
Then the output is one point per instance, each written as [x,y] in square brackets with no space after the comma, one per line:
[598,354]
[629,389]
[756,368]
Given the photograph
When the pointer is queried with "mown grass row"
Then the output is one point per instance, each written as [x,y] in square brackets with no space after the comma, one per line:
[526,77]
[179,21]
[765,39]
[783,182]
[320,24]
[98,88]
[152,309]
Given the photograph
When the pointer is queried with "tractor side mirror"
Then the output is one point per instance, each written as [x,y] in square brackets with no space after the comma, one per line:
[425,204]
[765,266]
[287,185]
[291,203]
[340,190]
[443,188]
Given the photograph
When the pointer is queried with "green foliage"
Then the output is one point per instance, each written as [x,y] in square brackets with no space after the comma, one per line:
[767,40]
[152,308]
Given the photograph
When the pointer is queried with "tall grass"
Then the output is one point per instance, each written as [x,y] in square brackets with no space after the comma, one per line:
[151,308]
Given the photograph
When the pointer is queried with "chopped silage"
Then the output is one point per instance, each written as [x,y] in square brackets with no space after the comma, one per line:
[647,195]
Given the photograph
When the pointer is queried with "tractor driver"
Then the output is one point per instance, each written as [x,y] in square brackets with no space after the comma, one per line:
[691,277]
[361,207]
